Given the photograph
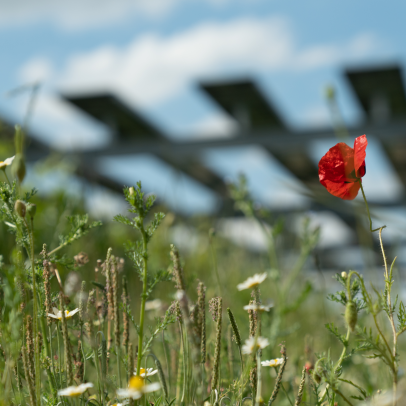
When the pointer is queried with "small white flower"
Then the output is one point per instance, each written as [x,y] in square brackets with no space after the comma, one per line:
[153,304]
[136,388]
[253,344]
[258,308]
[58,314]
[272,363]
[149,372]
[252,281]
[75,390]
[7,162]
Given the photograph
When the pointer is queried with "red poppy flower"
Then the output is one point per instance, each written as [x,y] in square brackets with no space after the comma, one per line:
[341,169]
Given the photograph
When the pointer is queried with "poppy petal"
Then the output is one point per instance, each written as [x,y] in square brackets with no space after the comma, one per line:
[360,145]
[346,191]
[337,164]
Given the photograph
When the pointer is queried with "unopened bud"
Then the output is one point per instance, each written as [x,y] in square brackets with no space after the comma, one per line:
[351,314]
[19,167]
[316,377]
[344,275]
[31,209]
[20,208]
[330,92]
[132,191]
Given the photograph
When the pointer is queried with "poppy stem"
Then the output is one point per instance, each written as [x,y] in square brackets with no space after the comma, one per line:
[369,215]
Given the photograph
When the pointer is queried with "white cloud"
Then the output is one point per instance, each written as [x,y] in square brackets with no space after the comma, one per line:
[37,69]
[153,69]
[80,14]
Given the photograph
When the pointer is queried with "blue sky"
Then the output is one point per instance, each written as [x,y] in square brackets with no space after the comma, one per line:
[152,53]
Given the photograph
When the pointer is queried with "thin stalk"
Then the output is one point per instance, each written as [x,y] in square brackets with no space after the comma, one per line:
[340,360]
[369,215]
[216,271]
[342,395]
[99,378]
[59,355]
[258,399]
[144,292]
[388,282]
[5,174]
[50,375]
[35,315]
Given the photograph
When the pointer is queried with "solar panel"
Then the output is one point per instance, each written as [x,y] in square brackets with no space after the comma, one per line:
[123,121]
[380,92]
[245,103]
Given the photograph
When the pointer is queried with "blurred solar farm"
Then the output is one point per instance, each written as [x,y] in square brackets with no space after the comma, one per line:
[223,111]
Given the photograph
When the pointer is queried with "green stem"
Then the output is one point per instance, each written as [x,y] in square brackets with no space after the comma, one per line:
[5,174]
[144,292]
[258,399]
[59,356]
[99,378]
[369,215]
[213,251]
[35,315]
[50,375]
[342,395]
[340,360]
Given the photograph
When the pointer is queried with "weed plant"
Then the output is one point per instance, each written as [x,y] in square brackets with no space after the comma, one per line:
[164,329]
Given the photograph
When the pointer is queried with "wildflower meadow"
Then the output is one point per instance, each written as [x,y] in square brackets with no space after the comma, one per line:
[118,314]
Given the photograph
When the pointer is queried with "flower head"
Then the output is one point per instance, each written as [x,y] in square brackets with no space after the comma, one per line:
[7,162]
[148,372]
[252,281]
[253,344]
[75,390]
[258,307]
[272,363]
[153,304]
[136,388]
[341,169]
[58,314]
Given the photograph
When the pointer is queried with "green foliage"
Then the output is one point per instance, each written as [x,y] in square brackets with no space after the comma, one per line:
[79,226]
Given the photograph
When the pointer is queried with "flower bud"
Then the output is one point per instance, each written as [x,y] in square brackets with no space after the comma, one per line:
[19,167]
[20,208]
[351,314]
[330,92]
[316,377]
[132,191]
[344,275]
[31,209]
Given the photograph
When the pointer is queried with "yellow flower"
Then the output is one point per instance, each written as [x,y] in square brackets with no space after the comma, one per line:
[74,391]
[272,363]
[58,314]
[136,388]
[7,162]
[252,281]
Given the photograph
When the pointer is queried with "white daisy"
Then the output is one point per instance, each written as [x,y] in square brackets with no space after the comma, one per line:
[136,388]
[153,304]
[252,281]
[75,390]
[253,344]
[258,308]
[272,363]
[58,314]
[7,162]
[149,372]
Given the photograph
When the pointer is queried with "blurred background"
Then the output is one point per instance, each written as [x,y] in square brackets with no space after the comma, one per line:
[185,95]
